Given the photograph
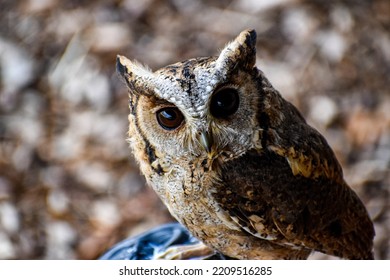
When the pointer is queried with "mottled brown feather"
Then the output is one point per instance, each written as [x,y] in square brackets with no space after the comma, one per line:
[318,214]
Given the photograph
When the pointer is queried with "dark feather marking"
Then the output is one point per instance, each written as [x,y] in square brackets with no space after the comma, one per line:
[133,100]
[149,149]
[262,116]
[121,69]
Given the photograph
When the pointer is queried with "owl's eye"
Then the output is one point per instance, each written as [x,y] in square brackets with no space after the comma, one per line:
[169,118]
[224,103]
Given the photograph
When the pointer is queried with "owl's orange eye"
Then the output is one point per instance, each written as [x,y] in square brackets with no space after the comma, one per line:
[224,103]
[169,118]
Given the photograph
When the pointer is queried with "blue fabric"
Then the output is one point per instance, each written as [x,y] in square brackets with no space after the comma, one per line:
[145,246]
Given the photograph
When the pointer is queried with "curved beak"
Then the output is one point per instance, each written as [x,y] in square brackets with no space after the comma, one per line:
[206,140]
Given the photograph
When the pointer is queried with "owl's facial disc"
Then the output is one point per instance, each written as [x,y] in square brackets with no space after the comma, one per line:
[198,107]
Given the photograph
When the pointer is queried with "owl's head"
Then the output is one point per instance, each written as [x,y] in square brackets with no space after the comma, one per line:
[203,107]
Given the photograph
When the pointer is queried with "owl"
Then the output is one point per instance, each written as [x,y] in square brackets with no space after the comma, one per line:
[237,164]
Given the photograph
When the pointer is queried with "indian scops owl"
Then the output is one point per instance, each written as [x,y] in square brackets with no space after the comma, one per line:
[237,164]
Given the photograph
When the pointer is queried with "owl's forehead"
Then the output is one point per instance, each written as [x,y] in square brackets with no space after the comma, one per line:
[189,84]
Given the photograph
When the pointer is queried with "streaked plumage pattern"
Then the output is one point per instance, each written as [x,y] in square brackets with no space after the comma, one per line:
[237,164]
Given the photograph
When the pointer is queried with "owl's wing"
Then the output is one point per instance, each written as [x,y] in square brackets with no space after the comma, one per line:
[292,192]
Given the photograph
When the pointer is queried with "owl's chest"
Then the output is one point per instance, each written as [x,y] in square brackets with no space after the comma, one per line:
[188,192]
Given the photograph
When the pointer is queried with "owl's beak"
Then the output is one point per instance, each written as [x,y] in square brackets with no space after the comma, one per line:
[206,140]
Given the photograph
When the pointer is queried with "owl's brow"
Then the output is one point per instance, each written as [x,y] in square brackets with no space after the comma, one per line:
[161,102]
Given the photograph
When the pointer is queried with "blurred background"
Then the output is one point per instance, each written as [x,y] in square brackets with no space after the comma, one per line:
[69,187]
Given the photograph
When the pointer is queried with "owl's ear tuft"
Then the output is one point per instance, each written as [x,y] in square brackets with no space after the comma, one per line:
[137,77]
[240,52]
[131,70]
[121,63]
